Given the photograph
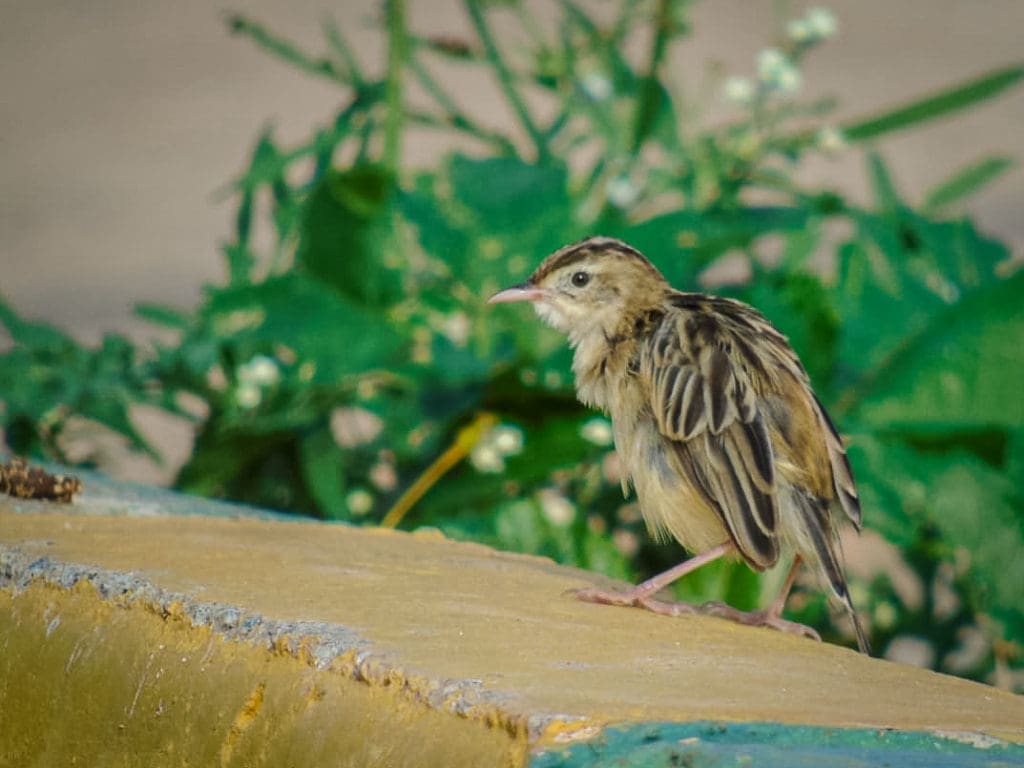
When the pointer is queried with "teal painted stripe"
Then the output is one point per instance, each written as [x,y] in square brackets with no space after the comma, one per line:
[771,745]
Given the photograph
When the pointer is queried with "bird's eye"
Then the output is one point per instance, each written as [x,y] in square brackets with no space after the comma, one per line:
[579,279]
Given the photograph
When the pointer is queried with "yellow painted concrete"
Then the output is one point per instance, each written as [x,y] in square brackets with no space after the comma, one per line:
[453,639]
[84,681]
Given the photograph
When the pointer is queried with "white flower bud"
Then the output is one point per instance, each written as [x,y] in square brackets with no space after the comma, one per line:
[799,31]
[738,90]
[622,192]
[596,86]
[831,140]
[556,509]
[597,431]
[359,501]
[260,371]
[507,439]
[776,71]
[248,396]
[486,458]
[822,23]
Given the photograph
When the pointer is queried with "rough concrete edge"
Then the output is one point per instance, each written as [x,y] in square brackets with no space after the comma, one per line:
[322,645]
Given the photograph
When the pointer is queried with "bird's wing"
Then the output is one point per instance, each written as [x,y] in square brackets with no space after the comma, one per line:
[842,474]
[706,409]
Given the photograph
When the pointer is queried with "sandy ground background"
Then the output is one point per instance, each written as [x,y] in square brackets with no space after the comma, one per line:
[120,120]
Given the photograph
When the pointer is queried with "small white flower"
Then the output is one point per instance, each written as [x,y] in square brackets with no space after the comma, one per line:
[799,31]
[768,63]
[622,192]
[822,23]
[355,426]
[507,439]
[597,431]
[456,328]
[486,458]
[831,140]
[738,90]
[248,396]
[596,86]
[359,501]
[776,71]
[260,371]
[383,476]
[557,509]
[789,79]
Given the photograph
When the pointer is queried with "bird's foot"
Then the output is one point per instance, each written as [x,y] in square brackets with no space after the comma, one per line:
[640,599]
[606,596]
[764,618]
[634,598]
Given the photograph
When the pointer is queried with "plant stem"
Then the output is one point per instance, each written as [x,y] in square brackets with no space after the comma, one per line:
[505,79]
[397,53]
[461,447]
[650,93]
[454,117]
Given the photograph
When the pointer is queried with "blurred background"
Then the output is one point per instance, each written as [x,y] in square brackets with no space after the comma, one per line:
[852,170]
[121,122]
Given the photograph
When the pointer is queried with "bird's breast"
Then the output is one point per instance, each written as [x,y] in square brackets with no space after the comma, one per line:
[605,372]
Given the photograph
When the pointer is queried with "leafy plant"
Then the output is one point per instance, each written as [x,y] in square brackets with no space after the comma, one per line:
[352,367]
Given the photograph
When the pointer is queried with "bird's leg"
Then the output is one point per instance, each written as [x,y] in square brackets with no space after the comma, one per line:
[768,617]
[642,595]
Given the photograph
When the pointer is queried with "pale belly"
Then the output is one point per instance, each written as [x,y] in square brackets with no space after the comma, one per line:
[670,505]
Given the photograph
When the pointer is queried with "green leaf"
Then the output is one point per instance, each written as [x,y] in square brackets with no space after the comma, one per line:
[30,334]
[683,242]
[964,369]
[893,486]
[908,495]
[506,194]
[974,508]
[937,105]
[348,235]
[167,317]
[336,337]
[967,181]
[886,196]
[899,272]
[323,469]
[799,305]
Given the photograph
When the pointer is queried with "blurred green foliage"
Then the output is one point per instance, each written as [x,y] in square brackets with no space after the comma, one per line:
[334,367]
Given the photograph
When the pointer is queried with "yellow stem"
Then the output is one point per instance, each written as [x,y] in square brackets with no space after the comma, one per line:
[465,439]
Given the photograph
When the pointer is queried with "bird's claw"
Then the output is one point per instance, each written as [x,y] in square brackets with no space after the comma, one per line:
[632,599]
[606,597]
[758,619]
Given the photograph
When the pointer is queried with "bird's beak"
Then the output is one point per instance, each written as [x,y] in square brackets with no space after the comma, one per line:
[521,292]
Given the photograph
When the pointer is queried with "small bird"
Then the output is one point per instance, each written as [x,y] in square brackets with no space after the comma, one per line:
[719,432]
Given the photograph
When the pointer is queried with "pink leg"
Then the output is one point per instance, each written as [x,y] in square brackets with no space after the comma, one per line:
[770,616]
[642,594]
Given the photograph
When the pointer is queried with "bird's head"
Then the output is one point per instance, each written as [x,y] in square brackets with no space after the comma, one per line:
[591,285]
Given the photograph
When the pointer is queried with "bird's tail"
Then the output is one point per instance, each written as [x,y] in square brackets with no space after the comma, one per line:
[828,553]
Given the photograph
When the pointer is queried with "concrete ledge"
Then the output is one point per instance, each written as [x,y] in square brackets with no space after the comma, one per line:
[177,631]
